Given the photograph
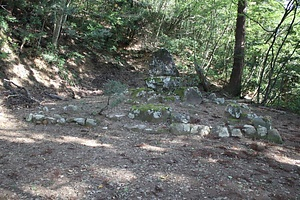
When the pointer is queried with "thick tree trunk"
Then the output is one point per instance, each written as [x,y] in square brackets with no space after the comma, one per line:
[235,84]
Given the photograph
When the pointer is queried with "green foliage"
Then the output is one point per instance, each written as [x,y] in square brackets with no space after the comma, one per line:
[191,30]
[97,36]
[114,87]
[52,56]
[115,90]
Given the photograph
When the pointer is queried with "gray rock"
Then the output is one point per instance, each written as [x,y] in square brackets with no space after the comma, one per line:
[236,132]
[192,95]
[131,115]
[251,116]
[262,121]
[262,131]
[38,117]
[79,120]
[162,64]
[234,110]
[200,129]
[135,127]
[249,130]
[29,117]
[90,122]
[70,108]
[46,109]
[57,116]
[219,100]
[61,120]
[245,106]
[274,136]
[163,83]
[180,128]
[212,96]
[221,131]
[180,117]
[115,116]
[51,120]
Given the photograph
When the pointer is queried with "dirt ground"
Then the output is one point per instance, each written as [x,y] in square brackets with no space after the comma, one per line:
[111,162]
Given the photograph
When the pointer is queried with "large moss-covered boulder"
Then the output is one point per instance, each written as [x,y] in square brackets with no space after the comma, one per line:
[150,112]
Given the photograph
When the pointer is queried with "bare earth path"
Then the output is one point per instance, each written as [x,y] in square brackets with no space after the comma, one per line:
[112,162]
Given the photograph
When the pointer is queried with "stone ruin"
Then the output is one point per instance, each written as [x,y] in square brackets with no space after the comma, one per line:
[164,85]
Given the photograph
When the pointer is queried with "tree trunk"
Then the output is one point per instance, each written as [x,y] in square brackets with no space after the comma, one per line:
[235,84]
[60,19]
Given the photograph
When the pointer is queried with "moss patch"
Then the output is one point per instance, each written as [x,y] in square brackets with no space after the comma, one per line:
[151,112]
[136,92]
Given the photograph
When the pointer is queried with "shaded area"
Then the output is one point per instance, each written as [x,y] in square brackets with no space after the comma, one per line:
[74,162]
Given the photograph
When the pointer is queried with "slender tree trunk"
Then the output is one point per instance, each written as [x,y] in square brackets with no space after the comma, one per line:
[235,84]
[60,19]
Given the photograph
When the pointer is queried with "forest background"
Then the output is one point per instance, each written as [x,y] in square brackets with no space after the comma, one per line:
[198,33]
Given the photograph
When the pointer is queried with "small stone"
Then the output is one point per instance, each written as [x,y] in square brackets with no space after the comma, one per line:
[115,116]
[38,117]
[221,131]
[120,116]
[236,133]
[157,114]
[57,116]
[212,96]
[29,117]
[262,131]
[180,117]
[135,127]
[234,110]
[70,108]
[61,120]
[219,100]
[251,116]
[262,121]
[46,109]
[51,120]
[180,128]
[201,130]
[80,121]
[249,130]
[90,122]
[131,115]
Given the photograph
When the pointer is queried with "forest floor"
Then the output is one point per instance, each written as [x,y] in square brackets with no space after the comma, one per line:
[110,161]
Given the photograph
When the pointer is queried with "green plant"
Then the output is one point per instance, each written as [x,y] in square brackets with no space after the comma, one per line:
[114,89]
[51,55]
